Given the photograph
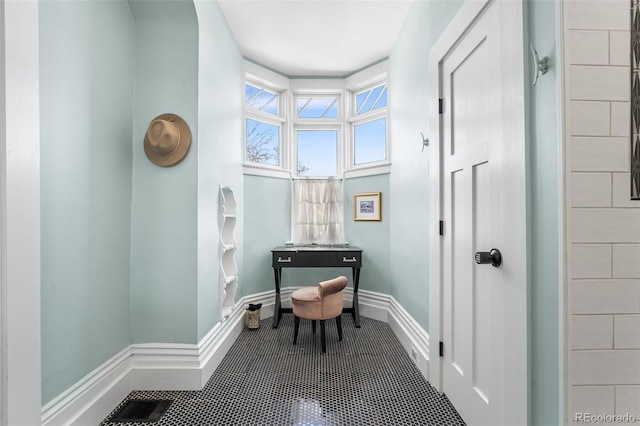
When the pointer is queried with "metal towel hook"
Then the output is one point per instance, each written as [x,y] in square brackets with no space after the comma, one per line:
[425,142]
[541,65]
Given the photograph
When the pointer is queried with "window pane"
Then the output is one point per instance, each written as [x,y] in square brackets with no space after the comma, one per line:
[317,107]
[263,142]
[250,91]
[261,99]
[317,152]
[382,100]
[371,99]
[360,98]
[370,141]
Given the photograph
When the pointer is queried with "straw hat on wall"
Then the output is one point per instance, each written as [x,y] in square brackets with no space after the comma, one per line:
[167,140]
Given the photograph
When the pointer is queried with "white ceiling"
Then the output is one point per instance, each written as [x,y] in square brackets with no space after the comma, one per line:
[330,38]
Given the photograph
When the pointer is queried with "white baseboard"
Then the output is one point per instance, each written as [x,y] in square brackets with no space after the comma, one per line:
[107,385]
[149,366]
[189,366]
[411,335]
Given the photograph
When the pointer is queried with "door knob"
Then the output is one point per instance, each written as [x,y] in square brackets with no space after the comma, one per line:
[494,257]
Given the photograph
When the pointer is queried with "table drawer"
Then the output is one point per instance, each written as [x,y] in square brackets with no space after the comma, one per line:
[284,258]
[349,258]
[316,258]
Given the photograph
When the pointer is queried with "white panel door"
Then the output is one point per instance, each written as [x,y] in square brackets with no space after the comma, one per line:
[481,188]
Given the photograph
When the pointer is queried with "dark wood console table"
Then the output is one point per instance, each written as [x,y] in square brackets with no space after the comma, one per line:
[324,256]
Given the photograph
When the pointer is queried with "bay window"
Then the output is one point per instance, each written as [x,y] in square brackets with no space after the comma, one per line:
[320,128]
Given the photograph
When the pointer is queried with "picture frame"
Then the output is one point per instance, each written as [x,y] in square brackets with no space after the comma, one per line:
[367,206]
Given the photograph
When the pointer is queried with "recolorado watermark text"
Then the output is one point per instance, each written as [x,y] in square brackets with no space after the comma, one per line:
[604,418]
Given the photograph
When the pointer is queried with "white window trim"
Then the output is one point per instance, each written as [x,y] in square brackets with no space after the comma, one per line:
[289,90]
[317,87]
[255,74]
[294,107]
[369,80]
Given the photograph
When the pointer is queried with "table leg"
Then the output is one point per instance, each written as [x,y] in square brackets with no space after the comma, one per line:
[277,310]
[356,306]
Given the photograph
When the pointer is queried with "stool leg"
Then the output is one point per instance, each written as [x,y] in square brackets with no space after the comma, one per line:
[339,325]
[324,343]
[296,325]
[313,326]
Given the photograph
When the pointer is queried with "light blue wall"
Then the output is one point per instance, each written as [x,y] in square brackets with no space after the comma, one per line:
[268,224]
[372,237]
[129,249]
[267,218]
[86,91]
[164,232]
[409,184]
[220,111]
[544,233]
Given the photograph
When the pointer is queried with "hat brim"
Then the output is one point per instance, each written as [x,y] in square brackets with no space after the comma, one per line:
[183,145]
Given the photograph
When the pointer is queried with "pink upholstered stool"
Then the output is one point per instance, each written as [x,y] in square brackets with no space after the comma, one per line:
[321,302]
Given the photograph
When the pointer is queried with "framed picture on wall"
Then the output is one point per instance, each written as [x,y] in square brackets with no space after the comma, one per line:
[366,206]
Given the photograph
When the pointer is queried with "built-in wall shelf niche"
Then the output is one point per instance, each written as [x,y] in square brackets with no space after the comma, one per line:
[228,247]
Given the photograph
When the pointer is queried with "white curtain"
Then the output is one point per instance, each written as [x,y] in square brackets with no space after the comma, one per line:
[317,215]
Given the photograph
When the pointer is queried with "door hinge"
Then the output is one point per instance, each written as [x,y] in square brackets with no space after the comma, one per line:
[441,348]
[442,227]
[440,105]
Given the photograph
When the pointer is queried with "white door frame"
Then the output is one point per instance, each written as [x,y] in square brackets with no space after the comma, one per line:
[20,389]
[516,403]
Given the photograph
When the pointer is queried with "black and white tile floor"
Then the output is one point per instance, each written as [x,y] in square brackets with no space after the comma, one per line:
[365,379]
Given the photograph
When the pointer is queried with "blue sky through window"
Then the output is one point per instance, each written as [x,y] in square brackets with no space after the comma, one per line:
[317,107]
[317,152]
[371,99]
[261,99]
[370,141]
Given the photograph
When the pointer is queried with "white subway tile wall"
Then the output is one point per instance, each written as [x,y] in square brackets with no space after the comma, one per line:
[621,191]
[600,15]
[627,332]
[603,224]
[628,400]
[598,154]
[599,83]
[594,399]
[620,119]
[588,47]
[626,260]
[591,261]
[619,48]
[590,118]
[606,297]
[592,332]
[591,190]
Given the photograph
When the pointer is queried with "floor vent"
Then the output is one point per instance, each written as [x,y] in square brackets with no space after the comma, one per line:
[141,410]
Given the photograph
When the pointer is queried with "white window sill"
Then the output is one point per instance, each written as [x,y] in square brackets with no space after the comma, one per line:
[372,170]
[362,171]
[266,171]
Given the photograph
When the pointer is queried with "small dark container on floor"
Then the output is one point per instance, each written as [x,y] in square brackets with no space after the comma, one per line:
[252,316]
[141,411]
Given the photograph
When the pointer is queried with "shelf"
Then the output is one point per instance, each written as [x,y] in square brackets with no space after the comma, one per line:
[227,201]
[230,280]
[228,247]
[227,231]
